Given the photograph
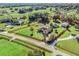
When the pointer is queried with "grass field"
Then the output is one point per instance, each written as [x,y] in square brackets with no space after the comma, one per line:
[67,33]
[70,45]
[12,49]
[16,47]
[27,32]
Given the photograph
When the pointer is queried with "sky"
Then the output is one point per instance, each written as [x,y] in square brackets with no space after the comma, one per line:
[39,1]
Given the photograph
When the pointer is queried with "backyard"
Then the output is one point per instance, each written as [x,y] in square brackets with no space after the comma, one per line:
[28,32]
[70,45]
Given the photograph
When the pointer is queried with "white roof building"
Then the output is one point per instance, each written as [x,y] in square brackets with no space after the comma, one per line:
[65,24]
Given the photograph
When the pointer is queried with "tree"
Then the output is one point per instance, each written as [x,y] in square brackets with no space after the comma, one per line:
[16,9]
[23,17]
[11,8]
[31,29]
[21,11]
[32,18]
[30,9]
[55,17]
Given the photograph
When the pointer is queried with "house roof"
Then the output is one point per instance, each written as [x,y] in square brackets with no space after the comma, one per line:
[77,38]
[65,24]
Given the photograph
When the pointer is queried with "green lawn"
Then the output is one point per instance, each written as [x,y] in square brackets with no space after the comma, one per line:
[12,49]
[67,33]
[70,45]
[27,32]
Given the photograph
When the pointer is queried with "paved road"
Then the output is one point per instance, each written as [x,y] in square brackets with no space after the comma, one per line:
[29,40]
[58,52]
[67,38]
[35,42]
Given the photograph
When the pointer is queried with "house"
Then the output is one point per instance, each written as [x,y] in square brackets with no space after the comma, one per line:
[77,25]
[5,20]
[45,30]
[20,21]
[77,38]
[39,7]
[22,10]
[55,25]
[65,25]
[9,22]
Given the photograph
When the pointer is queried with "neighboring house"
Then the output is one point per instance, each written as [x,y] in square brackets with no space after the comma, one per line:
[45,30]
[55,25]
[5,20]
[65,25]
[77,38]
[38,7]
[9,22]
[77,25]
[20,21]
[22,10]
